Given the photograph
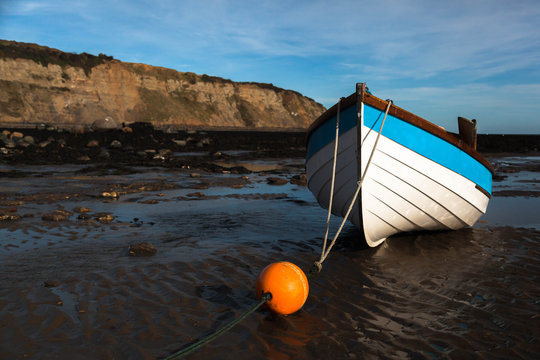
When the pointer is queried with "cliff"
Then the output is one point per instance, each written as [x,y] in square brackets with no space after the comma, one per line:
[44,85]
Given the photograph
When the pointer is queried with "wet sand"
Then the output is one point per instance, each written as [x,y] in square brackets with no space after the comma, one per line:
[70,289]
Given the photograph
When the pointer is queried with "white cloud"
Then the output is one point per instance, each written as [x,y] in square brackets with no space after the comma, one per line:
[414,48]
[413,34]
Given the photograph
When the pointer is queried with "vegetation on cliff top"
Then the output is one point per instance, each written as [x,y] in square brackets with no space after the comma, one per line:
[44,55]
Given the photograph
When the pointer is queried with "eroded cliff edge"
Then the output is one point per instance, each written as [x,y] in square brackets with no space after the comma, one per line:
[44,85]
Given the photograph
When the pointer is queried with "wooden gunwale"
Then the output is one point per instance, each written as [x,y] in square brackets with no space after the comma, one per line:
[404,115]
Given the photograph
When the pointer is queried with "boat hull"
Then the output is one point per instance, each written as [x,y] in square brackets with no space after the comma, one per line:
[416,180]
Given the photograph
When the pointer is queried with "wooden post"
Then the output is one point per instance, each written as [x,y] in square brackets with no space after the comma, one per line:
[467,131]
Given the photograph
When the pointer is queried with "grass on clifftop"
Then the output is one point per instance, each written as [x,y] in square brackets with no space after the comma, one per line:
[44,55]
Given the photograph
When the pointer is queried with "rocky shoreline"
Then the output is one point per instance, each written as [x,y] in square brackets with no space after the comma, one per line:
[140,144]
[136,148]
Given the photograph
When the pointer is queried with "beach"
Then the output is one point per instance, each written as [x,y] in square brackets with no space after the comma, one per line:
[216,211]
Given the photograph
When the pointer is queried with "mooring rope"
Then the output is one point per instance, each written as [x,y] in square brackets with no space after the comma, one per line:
[189,349]
[333,176]
[318,264]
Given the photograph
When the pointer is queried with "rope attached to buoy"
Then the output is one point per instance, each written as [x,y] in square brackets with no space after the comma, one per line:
[195,346]
[317,265]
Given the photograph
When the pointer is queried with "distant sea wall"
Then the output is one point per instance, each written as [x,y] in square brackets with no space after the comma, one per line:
[493,143]
[44,85]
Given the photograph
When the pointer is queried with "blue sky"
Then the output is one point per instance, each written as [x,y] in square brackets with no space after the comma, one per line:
[439,59]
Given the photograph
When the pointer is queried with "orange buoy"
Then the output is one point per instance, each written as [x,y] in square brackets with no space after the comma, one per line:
[288,285]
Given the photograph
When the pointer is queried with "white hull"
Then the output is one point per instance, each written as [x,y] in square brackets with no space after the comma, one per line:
[403,191]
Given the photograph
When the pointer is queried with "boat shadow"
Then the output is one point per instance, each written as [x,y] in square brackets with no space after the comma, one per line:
[351,239]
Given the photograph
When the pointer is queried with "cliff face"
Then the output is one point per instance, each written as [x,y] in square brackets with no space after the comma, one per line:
[44,85]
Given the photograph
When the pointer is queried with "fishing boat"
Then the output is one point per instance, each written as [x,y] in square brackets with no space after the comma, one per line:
[389,171]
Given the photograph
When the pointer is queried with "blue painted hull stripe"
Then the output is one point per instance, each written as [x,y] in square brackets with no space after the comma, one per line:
[408,135]
[326,133]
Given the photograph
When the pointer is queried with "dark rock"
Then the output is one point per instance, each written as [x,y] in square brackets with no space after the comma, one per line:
[142,249]
[200,186]
[51,283]
[115,144]
[104,154]
[276,180]
[104,217]
[16,135]
[54,217]
[9,217]
[110,195]
[181,143]
[29,140]
[13,203]
[84,216]
[98,214]
[165,152]
[82,209]
[205,141]
[510,169]
[9,143]
[142,127]
[63,212]
[300,180]
[84,158]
